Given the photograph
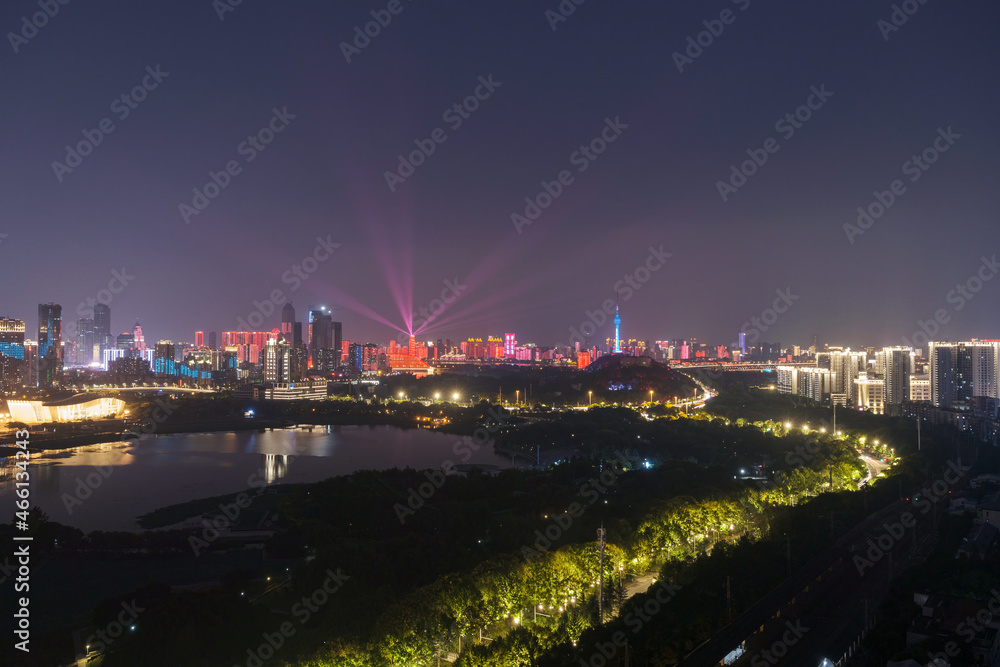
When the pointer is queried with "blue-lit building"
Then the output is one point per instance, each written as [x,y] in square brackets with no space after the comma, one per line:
[50,361]
[11,354]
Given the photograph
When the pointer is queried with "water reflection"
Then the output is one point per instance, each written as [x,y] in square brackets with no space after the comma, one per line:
[275,466]
[141,476]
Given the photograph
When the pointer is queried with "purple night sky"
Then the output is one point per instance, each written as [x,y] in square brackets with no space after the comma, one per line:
[604,79]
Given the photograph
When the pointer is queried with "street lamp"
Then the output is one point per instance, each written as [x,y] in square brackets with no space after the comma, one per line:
[591,397]
[517,397]
[650,396]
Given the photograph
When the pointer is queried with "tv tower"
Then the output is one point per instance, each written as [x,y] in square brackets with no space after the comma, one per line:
[618,323]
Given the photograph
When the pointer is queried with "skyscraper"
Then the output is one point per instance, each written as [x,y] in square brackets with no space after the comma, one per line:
[276,358]
[125,341]
[102,326]
[320,330]
[85,341]
[337,331]
[12,361]
[288,321]
[324,340]
[50,361]
[140,342]
[199,339]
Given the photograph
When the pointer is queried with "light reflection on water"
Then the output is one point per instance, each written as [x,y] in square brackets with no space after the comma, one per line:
[106,486]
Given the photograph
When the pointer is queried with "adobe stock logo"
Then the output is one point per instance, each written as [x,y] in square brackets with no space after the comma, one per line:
[38,20]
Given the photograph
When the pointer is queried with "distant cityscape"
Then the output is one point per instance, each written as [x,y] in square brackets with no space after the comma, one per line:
[948,382]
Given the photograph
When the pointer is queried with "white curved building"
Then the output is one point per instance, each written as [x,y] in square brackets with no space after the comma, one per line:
[77,409]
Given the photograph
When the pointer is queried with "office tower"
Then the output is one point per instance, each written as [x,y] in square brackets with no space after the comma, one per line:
[288,321]
[325,337]
[320,330]
[85,341]
[212,341]
[125,341]
[163,358]
[743,343]
[102,326]
[12,359]
[276,359]
[140,342]
[337,342]
[509,345]
[297,333]
[896,365]
[199,339]
[50,361]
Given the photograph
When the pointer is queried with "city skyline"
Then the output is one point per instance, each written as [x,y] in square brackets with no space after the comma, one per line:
[925,331]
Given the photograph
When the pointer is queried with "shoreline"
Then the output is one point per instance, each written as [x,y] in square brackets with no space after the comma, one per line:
[47,442]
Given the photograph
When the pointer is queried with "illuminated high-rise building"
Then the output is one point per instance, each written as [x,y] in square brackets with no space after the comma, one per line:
[325,337]
[288,321]
[276,359]
[320,330]
[163,358]
[212,340]
[102,326]
[961,372]
[85,342]
[199,339]
[140,342]
[12,357]
[509,345]
[50,361]
[125,341]
[846,366]
[896,365]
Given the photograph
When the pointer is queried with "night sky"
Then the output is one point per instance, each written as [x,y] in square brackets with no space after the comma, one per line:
[656,184]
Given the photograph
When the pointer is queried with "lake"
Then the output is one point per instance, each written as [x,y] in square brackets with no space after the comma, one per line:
[106,486]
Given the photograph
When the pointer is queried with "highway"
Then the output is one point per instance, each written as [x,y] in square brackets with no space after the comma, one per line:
[875,467]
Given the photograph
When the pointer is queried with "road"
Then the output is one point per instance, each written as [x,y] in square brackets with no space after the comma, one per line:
[874,468]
